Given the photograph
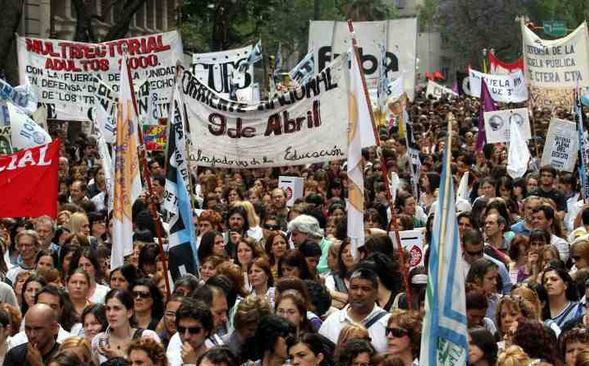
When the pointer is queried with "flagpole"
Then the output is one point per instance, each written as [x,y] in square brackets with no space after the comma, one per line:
[384,168]
[147,176]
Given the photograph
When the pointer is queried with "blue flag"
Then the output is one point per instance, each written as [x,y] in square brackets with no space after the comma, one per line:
[177,207]
[444,339]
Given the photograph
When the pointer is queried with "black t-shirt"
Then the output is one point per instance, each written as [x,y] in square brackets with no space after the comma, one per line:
[18,355]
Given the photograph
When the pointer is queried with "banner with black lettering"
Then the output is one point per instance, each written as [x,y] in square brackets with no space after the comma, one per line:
[437,91]
[215,68]
[305,125]
[510,88]
[328,39]
[557,63]
[62,72]
[561,146]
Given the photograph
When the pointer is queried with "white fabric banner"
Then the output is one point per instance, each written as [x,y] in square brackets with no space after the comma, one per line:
[25,132]
[561,146]
[328,39]
[61,72]
[306,125]
[559,63]
[215,68]
[510,88]
[437,91]
[497,124]
[519,154]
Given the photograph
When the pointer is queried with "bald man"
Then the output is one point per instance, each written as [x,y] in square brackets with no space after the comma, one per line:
[41,328]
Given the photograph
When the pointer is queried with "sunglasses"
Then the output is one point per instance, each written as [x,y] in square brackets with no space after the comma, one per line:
[191,330]
[271,227]
[396,332]
[141,294]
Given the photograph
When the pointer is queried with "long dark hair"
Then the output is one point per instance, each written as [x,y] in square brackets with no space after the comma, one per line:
[207,243]
[157,309]
[124,297]
[32,278]
[91,256]
[486,342]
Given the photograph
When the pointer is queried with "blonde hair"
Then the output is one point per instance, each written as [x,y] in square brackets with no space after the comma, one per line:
[76,221]
[530,298]
[252,217]
[513,356]
[352,330]
[582,358]
[80,343]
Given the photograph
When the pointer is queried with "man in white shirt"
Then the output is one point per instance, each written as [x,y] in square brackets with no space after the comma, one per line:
[362,308]
[543,218]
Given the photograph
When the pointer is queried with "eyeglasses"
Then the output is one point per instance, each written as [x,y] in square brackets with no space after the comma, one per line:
[191,330]
[396,332]
[271,227]
[141,294]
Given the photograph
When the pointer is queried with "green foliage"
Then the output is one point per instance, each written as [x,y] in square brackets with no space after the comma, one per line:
[573,12]
[224,24]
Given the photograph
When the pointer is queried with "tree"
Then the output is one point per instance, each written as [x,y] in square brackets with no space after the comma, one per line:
[124,11]
[11,16]
[468,26]
[572,12]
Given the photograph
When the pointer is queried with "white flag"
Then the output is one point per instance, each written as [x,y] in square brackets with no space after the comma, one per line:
[519,155]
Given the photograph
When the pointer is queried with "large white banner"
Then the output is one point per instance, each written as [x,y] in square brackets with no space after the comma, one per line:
[306,125]
[561,146]
[559,63]
[497,124]
[510,88]
[328,39]
[215,69]
[437,91]
[61,72]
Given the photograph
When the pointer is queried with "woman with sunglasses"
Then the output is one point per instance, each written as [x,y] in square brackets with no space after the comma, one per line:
[121,330]
[404,336]
[148,304]
[276,246]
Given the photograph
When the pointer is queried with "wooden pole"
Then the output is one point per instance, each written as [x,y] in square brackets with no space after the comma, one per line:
[385,171]
[147,176]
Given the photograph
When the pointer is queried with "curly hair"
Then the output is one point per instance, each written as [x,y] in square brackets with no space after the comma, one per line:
[410,321]
[536,339]
[152,348]
[513,356]
[515,304]
[350,331]
[78,342]
[577,335]
[211,216]
[14,316]
[345,355]
[249,311]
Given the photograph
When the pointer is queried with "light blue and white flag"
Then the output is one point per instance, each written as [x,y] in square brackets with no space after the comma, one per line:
[444,338]
[177,208]
[303,71]
[254,56]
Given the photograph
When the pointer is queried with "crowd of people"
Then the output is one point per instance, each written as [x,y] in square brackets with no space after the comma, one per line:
[280,284]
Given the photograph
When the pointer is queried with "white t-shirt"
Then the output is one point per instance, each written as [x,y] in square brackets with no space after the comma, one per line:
[99,294]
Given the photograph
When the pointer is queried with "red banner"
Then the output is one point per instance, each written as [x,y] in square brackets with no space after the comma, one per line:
[500,67]
[28,182]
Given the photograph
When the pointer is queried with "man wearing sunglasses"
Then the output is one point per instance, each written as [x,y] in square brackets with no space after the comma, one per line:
[362,308]
[194,324]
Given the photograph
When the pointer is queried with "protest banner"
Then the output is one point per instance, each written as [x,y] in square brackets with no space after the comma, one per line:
[305,125]
[561,146]
[499,67]
[328,39]
[497,124]
[28,182]
[437,91]
[412,241]
[293,186]
[5,140]
[154,137]
[510,88]
[25,132]
[61,72]
[559,63]
[215,68]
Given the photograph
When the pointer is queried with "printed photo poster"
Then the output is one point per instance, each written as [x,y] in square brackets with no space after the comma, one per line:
[413,241]
[306,125]
[561,145]
[497,124]
[557,64]
[62,73]
[329,39]
[5,140]
[215,69]
[437,91]
[509,88]
[154,137]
